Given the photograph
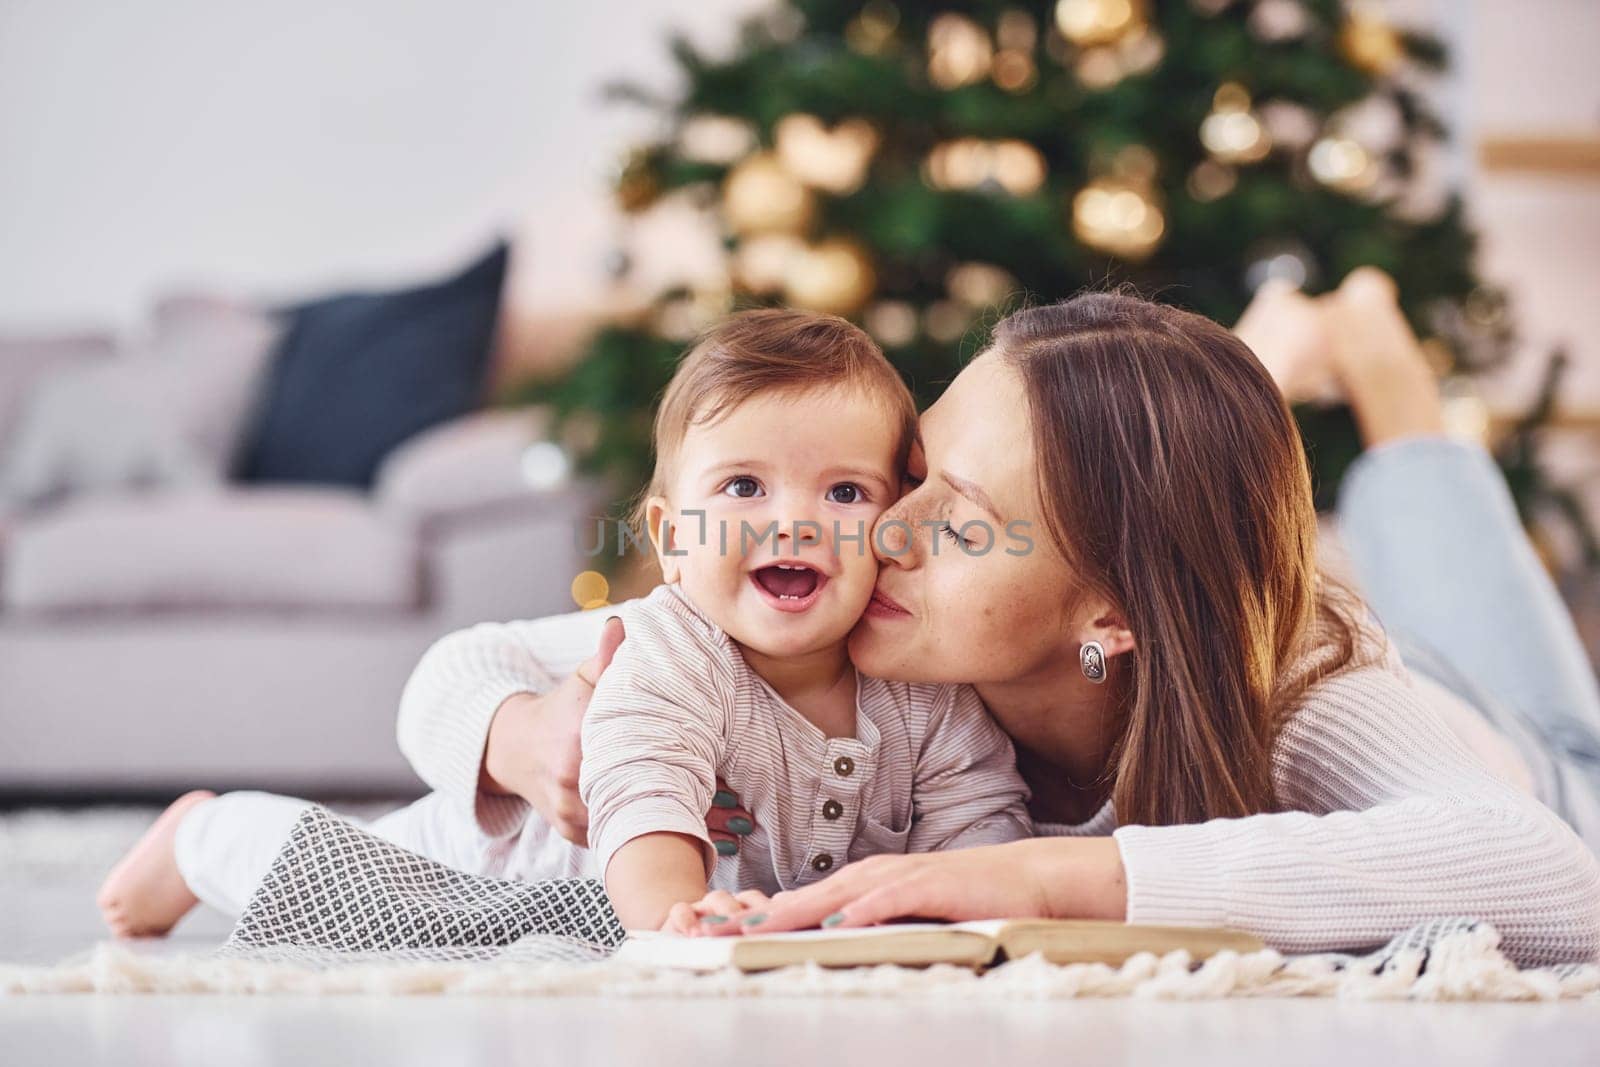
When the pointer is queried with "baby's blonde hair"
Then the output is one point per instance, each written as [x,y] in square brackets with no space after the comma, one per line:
[765,351]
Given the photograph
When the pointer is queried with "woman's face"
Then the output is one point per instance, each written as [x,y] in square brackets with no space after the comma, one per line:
[971,588]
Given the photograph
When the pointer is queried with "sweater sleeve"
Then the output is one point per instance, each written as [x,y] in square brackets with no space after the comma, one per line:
[656,732]
[459,684]
[1393,822]
[967,791]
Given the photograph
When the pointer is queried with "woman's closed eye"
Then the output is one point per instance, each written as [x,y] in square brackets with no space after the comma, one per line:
[949,531]
[741,486]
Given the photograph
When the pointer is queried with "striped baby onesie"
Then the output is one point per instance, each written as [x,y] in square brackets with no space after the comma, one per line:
[928,768]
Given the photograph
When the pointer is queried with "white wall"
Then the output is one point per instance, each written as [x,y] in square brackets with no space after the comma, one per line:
[279,147]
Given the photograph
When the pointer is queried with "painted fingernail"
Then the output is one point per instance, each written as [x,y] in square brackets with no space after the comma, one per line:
[727,848]
[754,920]
[713,920]
[724,799]
[833,920]
[740,825]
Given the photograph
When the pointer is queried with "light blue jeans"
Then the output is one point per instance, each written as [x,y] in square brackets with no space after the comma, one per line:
[1443,561]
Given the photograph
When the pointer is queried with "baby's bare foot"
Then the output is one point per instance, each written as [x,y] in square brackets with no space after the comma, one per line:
[1288,332]
[144,895]
[1379,363]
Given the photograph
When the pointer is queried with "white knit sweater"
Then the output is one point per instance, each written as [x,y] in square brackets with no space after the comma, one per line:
[1390,819]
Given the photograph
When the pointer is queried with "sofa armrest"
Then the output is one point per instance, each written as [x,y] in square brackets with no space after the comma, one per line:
[481,462]
[504,524]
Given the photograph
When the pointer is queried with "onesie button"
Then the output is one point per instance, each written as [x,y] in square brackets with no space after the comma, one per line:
[822,863]
[832,810]
[844,766]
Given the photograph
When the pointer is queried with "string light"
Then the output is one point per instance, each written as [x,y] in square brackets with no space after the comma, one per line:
[959,52]
[1231,132]
[1011,166]
[1092,22]
[1117,217]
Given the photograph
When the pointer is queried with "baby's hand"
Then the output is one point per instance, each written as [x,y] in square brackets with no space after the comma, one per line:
[715,913]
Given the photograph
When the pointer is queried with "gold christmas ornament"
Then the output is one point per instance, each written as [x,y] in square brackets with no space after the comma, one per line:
[1369,41]
[1118,217]
[1341,164]
[871,31]
[715,139]
[833,276]
[1092,22]
[834,160]
[959,52]
[761,262]
[892,322]
[636,185]
[980,285]
[760,196]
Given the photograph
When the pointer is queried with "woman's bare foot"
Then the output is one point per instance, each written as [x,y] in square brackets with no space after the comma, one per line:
[1379,363]
[144,895]
[1288,332]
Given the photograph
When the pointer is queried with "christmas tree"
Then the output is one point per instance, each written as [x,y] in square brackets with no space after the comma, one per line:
[920,167]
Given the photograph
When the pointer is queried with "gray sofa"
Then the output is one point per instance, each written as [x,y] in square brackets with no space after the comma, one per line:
[226,636]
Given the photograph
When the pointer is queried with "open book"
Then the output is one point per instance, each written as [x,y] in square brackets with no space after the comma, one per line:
[970,944]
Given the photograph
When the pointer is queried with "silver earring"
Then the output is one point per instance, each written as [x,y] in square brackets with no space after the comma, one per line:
[1092,658]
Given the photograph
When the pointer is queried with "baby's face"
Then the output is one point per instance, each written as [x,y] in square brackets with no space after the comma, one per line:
[789,486]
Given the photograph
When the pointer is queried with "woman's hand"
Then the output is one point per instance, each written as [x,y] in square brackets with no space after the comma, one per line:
[535,749]
[1053,877]
[535,746]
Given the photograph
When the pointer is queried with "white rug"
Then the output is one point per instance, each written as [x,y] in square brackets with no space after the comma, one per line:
[1464,966]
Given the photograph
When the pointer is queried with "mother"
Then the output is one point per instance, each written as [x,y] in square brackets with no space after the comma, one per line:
[1214,733]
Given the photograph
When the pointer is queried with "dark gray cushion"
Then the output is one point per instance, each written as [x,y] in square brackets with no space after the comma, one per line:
[358,374]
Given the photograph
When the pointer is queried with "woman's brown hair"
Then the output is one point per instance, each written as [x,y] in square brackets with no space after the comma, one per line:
[1175,483]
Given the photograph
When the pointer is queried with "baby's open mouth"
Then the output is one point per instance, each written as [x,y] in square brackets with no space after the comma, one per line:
[788,581]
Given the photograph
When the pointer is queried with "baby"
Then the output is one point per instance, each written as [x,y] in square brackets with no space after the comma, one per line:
[778,443]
